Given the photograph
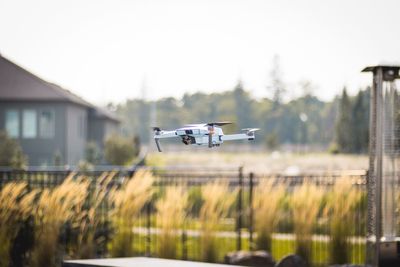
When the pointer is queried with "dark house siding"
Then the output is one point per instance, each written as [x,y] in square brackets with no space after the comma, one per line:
[41,150]
[76,122]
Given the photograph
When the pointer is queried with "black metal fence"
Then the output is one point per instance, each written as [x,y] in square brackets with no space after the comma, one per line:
[237,231]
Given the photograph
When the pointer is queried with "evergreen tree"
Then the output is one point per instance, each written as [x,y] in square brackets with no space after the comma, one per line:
[277,85]
[242,106]
[360,123]
[344,129]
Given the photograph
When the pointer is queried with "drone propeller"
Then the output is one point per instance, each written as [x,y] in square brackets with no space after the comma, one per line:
[250,131]
[219,123]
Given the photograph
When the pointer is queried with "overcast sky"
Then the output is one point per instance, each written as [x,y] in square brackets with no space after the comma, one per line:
[106,50]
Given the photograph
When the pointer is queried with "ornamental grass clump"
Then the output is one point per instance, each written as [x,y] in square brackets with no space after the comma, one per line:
[340,214]
[89,220]
[15,208]
[171,214]
[54,208]
[217,200]
[268,198]
[128,202]
[305,203]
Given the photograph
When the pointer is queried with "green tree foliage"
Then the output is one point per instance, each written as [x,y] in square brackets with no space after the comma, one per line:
[120,150]
[304,120]
[277,87]
[11,154]
[352,124]
[344,124]
[92,153]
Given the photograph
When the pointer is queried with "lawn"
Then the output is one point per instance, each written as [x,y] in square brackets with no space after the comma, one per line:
[263,162]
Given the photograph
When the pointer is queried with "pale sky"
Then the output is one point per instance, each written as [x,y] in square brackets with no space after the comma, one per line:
[105,50]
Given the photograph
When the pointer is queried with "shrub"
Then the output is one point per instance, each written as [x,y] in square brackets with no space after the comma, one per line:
[267,200]
[120,150]
[127,204]
[92,153]
[171,214]
[54,208]
[339,211]
[15,208]
[11,154]
[305,202]
[216,203]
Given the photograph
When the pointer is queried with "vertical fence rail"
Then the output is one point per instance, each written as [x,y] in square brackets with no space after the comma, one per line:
[251,211]
[240,211]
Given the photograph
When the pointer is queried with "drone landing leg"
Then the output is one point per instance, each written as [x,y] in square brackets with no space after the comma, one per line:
[158,145]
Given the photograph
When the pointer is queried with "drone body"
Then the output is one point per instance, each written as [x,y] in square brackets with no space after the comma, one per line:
[205,134]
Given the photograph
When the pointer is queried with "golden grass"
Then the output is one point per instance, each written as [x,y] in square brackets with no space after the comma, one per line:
[267,204]
[171,214]
[89,219]
[217,201]
[15,208]
[305,203]
[53,209]
[340,212]
[128,201]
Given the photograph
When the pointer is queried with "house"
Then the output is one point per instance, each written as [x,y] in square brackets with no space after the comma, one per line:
[48,120]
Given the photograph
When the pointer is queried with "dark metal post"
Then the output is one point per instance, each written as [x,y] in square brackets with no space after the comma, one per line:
[239,210]
[148,226]
[251,213]
[184,244]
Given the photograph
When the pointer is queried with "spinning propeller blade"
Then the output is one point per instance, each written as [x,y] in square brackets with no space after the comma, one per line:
[219,123]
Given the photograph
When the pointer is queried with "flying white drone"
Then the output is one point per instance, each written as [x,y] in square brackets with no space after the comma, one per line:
[203,134]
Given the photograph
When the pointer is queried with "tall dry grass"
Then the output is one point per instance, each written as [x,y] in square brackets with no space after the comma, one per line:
[128,201]
[305,203]
[15,208]
[340,213]
[267,204]
[54,208]
[89,219]
[217,200]
[171,214]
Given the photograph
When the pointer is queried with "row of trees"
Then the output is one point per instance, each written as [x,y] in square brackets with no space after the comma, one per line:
[341,123]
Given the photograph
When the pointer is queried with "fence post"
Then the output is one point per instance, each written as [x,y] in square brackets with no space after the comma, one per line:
[239,207]
[148,226]
[251,213]
[184,244]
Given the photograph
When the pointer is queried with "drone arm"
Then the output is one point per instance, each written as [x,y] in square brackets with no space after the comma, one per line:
[231,137]
[165,134]
[162,135]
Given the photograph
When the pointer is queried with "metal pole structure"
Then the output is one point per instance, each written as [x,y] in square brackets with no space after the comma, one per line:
[378,159]
[383,250]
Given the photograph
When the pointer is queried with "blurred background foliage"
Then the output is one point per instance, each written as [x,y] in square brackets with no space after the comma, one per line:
[340,125]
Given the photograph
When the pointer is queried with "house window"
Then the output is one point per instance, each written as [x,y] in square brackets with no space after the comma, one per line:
[46,123]
[12,123]
[29,123]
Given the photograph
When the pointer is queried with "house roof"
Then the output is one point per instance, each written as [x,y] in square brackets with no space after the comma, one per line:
[18,84]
